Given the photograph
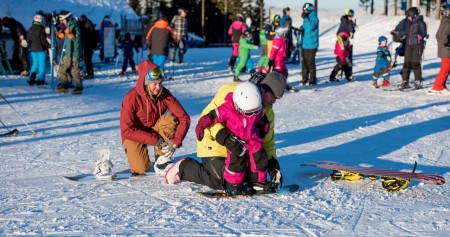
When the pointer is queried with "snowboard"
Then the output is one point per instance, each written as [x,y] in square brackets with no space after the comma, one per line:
[115,177]
[11,133]
[389,176]
[221,194]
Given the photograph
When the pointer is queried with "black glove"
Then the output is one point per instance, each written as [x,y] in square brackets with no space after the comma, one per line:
[304,14]
[226,138]
[270,65]
[274,171]
[301,30]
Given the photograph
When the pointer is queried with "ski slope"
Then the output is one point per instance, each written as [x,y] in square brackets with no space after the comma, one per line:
[352,123]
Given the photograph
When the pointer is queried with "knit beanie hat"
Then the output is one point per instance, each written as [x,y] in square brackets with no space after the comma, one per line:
[275,83]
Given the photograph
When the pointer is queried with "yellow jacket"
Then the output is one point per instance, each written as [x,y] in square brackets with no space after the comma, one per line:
[208,147]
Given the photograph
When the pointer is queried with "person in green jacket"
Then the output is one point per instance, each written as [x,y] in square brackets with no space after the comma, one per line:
[263,63]
[245,45]
[72,54]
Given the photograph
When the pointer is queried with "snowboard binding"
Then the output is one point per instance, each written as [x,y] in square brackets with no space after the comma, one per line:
[395,184]
[345,175]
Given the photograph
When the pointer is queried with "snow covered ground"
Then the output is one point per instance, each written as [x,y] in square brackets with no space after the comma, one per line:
[352,123]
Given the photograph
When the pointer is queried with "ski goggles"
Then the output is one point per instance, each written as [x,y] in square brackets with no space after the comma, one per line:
[153,75]
[253,112]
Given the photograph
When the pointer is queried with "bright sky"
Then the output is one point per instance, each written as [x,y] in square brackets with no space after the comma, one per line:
[323,4]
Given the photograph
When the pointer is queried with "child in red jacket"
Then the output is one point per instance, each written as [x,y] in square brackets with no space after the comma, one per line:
[342,52]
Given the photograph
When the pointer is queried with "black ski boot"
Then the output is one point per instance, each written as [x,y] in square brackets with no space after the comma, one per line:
[32,80]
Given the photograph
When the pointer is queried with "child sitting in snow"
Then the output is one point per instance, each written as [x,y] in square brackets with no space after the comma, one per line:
[382,63]
[245,45]
[342,51]
[245,127]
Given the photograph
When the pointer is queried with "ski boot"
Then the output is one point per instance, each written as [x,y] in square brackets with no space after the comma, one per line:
[385,83]
[351,79]
[340,175]
[32,79]
[404,85]
[395,184]
[375,84]
[418,85]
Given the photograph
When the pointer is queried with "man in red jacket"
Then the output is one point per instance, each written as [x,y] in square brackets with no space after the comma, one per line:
[144,121]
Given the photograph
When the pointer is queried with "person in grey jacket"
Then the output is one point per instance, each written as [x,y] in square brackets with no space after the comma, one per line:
[443,41]
[413,31]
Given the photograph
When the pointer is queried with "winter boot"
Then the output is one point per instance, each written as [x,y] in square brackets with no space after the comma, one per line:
[122,73]
[41,83]
[24,73]
[385,83]
[103,168]
[236,79]
[240,189]
[263,188]
[173,173]
[134,72]
[77,92]
[62,90]
[266,70]
[32,79]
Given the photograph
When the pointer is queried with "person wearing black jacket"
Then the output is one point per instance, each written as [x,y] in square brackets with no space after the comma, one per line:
[38,45]
[18,33]
[89,39]
[412,30]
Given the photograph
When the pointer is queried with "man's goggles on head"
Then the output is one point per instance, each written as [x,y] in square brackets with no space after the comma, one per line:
[154,75]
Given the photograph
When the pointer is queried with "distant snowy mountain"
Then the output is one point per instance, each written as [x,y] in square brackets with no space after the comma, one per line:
[24,10]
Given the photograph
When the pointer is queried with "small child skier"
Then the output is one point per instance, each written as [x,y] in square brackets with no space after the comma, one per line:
[245,125]
[382,63]
[264,60]
[127,45]
[245,45]
[342,51]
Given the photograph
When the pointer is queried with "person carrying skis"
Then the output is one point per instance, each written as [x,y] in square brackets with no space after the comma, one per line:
[180,26]
[72,53]
[309,44]
[127,46]
[382,63]
[144,121]
[38,45]
[217,139]
[343,62]
[245,45]
[236,31]
[443,41]
[413,30]
[158,38]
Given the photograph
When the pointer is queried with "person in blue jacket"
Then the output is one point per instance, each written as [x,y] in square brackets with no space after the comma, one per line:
[309,44]
[382,63]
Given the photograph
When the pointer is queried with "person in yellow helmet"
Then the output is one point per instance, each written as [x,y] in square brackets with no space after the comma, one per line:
[348,25]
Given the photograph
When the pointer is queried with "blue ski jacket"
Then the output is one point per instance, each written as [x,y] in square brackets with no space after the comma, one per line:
[310,31]
[383,58]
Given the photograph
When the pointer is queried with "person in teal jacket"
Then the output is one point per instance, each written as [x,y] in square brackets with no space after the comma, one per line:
[264,60]
[245,45]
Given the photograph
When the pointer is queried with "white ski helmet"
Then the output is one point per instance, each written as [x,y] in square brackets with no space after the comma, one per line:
[247,98]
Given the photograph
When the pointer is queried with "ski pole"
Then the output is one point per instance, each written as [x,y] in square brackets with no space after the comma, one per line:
[34,133]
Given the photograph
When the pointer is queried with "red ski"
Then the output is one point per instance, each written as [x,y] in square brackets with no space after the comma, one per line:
[393,180]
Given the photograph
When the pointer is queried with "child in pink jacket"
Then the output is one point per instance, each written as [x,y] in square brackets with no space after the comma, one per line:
[277,60]
[342,52]
[243,117]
